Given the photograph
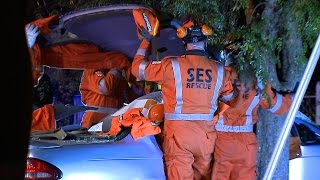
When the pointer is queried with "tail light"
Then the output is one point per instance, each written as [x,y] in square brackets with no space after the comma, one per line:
[40,170]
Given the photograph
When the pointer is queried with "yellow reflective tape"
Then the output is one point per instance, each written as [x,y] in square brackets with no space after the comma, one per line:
[155,28]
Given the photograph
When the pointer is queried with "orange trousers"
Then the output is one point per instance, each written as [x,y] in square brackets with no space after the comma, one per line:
[188,149]
[235,156]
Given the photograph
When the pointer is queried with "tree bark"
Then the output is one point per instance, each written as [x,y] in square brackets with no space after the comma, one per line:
[269,127]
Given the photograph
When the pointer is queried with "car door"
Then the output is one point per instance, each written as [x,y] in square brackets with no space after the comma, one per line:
[305,165]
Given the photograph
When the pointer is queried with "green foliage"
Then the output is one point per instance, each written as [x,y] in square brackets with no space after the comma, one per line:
[260,43]
[240,4]
[206,12]
[251,51]
[307,14]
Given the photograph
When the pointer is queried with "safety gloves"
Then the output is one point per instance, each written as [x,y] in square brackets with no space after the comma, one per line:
[144,33]
[32,31]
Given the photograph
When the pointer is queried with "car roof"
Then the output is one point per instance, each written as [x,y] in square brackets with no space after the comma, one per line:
[113,28]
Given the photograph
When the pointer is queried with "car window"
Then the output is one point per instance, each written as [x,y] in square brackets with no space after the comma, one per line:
[308,137]
[294,131]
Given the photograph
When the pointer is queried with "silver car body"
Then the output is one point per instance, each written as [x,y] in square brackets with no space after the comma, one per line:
[99,160]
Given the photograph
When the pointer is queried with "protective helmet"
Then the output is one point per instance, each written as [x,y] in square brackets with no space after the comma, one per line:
[192,31]
[156,113]
[230,51]
[218,55]
[146,19]
[229,59]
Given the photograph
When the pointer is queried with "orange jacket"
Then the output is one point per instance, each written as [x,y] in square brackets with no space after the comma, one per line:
[76,56]
[133,118]
[102,88]
[43,118]
[188,93]
[243,111]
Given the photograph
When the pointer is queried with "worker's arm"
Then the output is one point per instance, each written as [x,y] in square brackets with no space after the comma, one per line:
[144,69]
[228,91]
[101,82]
[275,102]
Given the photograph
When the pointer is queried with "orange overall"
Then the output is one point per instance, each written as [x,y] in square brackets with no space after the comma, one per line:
[102,88]
[236,143]
[191,86]
[43,118]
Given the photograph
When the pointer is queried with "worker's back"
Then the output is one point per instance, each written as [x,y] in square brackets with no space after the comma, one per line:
[101,88]
[196,89]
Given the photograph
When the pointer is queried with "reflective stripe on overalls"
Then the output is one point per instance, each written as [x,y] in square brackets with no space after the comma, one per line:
[142,66]
[278,104]
[248,127]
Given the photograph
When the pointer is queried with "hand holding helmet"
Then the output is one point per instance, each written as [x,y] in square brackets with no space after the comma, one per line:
[147,23]
[32,31]
[143,33]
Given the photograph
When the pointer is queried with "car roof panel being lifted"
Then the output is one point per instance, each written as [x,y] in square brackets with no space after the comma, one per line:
[113,28]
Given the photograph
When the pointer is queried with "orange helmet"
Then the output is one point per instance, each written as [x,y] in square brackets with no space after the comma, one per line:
[156,113]
[192,31]
[147,19]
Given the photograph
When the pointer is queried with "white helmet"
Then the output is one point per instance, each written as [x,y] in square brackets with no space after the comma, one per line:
[228,60]
[224,57]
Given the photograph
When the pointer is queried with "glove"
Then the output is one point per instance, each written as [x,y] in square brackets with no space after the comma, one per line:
[32,31]
[144,33]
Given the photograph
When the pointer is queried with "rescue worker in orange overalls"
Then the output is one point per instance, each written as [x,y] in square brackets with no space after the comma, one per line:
[75,54]
[102,89]
[236,144]
[191,85]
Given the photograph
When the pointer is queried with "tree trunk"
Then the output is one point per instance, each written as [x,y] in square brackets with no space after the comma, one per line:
[269,127]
